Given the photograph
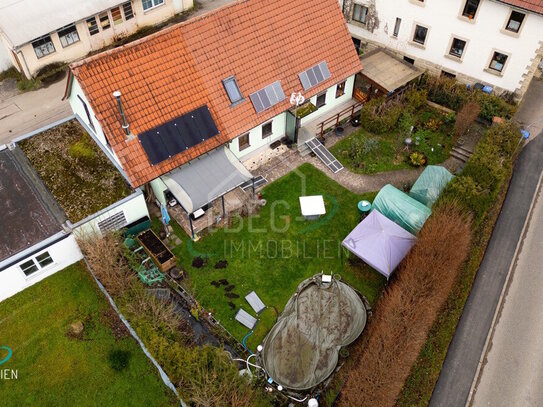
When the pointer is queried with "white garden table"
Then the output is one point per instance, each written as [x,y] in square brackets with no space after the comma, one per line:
[312,206]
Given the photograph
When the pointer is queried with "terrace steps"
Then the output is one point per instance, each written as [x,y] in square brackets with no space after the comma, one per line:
[461,153]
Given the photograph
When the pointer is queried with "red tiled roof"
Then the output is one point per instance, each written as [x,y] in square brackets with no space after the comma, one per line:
[531,5]
[181,68]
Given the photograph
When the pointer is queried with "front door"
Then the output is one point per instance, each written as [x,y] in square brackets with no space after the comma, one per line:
[291,129]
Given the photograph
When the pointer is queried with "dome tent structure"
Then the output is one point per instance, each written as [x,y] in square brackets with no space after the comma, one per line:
[400,208]
[429,184]
[381,243]
[302,348]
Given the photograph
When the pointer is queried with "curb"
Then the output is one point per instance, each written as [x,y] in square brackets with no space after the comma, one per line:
[503,294]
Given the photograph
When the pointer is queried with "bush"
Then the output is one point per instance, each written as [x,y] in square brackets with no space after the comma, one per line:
[416,99]
[445,91]
[119,359]
[417,159]
[406,122]
[361,147]
[492,105]
[378,117]
[407,309]
[465,118]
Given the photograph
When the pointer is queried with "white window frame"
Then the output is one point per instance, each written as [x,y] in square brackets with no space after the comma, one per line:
[39,46]
[60,37]
[39,268]
[265,136]
[413,30]
[397,27]
[490,58]
[155,4]
[362,7]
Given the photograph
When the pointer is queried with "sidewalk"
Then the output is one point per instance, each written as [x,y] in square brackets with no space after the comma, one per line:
[530,112]
[464,353]
[21,113]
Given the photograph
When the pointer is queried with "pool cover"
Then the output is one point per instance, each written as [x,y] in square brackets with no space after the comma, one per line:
[302,348]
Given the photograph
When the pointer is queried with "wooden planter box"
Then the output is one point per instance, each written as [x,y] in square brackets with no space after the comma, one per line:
[157,250]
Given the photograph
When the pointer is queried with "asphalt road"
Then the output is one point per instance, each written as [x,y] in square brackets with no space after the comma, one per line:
[513,371]
[458,372]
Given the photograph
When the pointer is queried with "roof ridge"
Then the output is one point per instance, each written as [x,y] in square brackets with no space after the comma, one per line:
[162,32]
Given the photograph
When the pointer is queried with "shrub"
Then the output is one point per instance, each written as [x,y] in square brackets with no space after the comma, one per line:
[379,117]
[406,122]
[417,159]
[362,147]
[416,99]
[119,359]
[433,124]
[465,118]
[492,105]
[407,309]
[445,91]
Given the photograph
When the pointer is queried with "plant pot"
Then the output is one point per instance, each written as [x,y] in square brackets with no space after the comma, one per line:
[339,131]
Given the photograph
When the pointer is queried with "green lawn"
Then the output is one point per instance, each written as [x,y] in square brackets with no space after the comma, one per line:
[57,369]
[275,250]
[366,153]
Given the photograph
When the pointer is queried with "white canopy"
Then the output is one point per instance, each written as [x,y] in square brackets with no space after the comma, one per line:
[206,178]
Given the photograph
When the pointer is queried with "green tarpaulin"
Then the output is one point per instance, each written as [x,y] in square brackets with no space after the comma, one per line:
[429,185]
[400,208]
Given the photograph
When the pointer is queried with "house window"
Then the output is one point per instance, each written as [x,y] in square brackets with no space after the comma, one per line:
[116,16]
[397,27]
[43,46]
[409,60]
[267,129]
[321,100]
[91,125]
[243,142]
[44,259]
[92,26]
[445,74]
[515,21]
[28,267]
[470,9]
[498,61]
[104,20]
[340,90]
[457,47]
[420,34]
[68,35]
[147,4]
[360,13]
[128,12]
[232,89]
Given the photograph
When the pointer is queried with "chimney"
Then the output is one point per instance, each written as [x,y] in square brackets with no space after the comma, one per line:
[125,125]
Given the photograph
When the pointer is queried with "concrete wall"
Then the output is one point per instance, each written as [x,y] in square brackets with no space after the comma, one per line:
[484,34]
[63,253]
[88,43]
[134,208]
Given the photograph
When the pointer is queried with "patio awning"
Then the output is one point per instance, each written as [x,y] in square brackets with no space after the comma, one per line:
[206,178]
[387,71]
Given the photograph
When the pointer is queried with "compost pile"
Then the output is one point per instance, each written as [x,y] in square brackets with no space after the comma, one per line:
[302,349]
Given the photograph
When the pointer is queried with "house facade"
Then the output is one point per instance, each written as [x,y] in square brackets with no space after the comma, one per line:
[497,43]
[35,34]
[204,95]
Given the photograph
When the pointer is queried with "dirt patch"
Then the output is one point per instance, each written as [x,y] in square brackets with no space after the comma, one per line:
[199,262]
[221,264]
[113,322]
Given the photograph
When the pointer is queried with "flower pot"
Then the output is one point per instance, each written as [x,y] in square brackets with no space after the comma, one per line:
[339,131]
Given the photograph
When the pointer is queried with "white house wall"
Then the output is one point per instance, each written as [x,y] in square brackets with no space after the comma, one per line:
[63,253]
[78,109]
[484,33]
[133,207]
[5,60]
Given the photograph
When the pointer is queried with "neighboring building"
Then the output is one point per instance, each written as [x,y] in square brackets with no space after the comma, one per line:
[213,90]
[499,43]
[35,242]
[38,33]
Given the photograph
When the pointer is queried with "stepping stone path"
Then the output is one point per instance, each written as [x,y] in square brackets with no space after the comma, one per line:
[230,287]
[232,305]
[231,295]
[221,264]
[223,282]
[215,283]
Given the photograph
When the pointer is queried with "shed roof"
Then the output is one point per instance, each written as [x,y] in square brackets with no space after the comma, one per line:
[181,68]
[387,71]
[29,212]
[25,20]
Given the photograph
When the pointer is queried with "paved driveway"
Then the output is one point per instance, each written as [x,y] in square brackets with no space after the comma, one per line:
[530,112]
[21,113]
[513,373]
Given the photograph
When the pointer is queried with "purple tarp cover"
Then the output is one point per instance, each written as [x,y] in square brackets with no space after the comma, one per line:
[380,242]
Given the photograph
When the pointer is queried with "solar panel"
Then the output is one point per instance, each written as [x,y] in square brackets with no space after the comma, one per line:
[314,75]
[324,155]
[268,96]
[177,135]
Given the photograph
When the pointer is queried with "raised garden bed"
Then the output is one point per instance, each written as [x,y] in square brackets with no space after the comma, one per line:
[157,250]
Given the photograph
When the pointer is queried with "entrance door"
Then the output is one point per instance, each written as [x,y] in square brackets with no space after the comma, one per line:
[291,129]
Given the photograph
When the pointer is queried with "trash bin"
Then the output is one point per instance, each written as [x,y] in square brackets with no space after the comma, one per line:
[364,208]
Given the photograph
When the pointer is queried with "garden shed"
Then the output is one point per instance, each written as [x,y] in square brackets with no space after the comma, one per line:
[430,183]
[380,242]
[399,207]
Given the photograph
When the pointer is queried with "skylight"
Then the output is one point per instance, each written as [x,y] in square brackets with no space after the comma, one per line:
[268,97]
[232,89]
[314,75]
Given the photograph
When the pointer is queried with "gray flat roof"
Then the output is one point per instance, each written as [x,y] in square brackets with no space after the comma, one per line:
[25,20]
[29,214]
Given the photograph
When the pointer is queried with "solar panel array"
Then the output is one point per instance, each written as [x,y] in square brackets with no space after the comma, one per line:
[325,156]
[314,75]
[178,135]
[268,97]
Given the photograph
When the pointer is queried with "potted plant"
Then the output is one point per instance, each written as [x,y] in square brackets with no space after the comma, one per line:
[417,159]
